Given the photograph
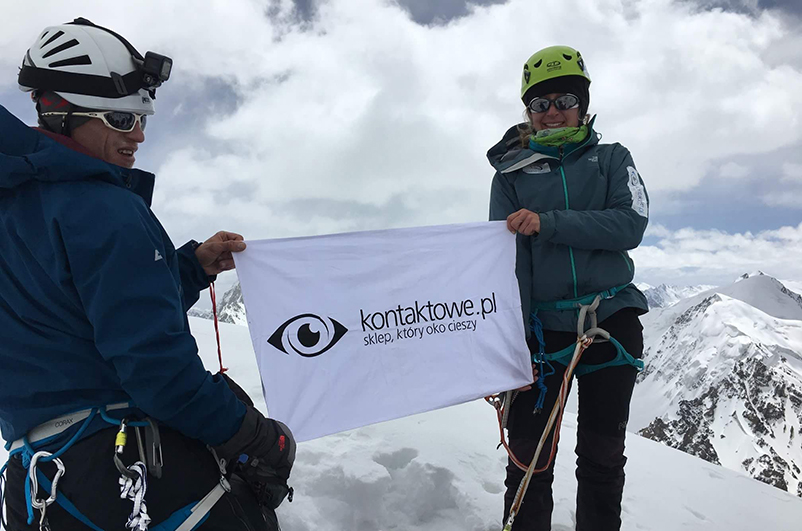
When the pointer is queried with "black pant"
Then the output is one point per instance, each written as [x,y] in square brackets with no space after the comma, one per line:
[604,397]
[91,484]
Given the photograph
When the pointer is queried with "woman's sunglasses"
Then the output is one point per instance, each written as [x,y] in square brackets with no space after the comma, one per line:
[121,121]
[562,103]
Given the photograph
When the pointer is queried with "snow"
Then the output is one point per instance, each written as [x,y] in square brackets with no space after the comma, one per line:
[441,471]
[696,345]
[665,295]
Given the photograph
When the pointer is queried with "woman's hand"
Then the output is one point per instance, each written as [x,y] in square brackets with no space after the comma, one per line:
[214,254]
[524,222]
[534,379]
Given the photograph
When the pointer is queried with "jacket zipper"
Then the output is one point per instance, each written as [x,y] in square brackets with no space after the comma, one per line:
[626,260]
[568,207]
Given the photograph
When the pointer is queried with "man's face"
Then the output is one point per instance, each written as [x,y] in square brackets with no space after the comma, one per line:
[105,143]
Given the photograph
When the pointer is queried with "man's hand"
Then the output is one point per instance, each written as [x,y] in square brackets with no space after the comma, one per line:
[214,254]
[524,221]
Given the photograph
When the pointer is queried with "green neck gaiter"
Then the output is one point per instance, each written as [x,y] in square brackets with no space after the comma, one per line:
[561,136]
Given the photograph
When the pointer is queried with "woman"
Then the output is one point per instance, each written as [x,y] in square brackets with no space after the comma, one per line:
[577,207]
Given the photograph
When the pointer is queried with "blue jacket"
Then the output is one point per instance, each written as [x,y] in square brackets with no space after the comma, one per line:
[93,296]
[593,208]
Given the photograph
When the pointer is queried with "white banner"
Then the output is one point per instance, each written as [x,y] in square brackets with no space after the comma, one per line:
[353,329]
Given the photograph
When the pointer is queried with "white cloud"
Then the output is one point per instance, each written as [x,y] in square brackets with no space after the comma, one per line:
[733,170]
[786,199]
[792,172]
[363,107]
[689,256]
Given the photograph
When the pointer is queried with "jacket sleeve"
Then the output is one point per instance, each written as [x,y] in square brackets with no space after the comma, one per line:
[619,227]
[193,277]
[136,310]
[503,202]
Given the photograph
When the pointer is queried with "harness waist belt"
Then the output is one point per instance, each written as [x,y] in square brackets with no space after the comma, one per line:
[203,507]
[574,304]
[60,424]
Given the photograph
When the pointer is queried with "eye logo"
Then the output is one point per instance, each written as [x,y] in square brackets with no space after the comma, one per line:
[307,335]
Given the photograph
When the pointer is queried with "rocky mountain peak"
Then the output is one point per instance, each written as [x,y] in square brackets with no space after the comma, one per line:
[723,379]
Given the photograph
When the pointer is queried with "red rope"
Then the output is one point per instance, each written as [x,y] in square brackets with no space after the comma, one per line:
[563,399]
[217,328]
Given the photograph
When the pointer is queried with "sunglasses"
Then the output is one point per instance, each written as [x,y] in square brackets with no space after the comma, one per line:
[121,121]
[562,103]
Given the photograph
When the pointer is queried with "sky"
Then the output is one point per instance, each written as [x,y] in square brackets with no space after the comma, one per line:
[310,117]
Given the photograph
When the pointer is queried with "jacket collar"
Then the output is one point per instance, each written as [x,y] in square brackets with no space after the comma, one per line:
[65,141]
[508,155]
[139,182]
[28,154]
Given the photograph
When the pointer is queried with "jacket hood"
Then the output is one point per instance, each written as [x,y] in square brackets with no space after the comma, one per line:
[508,155]
[27,154]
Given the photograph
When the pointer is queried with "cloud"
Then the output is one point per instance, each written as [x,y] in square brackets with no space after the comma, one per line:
[753,6]
[792,172]
[355,116]
[441,11]
[788,196]
[732,170]
[690,256]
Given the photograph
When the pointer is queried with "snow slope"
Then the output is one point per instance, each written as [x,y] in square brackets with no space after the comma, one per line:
[723,379]
[440,471]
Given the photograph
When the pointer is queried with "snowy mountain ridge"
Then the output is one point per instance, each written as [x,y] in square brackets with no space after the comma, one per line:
[723,379]
[230,309]
[666,295]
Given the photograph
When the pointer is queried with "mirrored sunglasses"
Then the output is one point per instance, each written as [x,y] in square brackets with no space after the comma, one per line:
[562,103]
[121,121]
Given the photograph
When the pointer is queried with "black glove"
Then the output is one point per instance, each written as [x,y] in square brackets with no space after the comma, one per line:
[263,451]
[269,489]
[239,391]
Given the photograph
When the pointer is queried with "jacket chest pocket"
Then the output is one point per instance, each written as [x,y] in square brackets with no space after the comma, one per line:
[540,192]
[587,186]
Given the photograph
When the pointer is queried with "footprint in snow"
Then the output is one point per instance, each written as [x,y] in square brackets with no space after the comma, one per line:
[396,460]
[698,515]
[492,488]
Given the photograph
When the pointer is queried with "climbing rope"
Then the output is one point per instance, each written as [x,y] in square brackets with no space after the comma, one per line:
[584,339]
[133,482]
[133,487]
[555,421]
[217,327]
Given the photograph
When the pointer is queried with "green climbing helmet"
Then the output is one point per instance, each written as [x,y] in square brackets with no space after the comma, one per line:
[551,63]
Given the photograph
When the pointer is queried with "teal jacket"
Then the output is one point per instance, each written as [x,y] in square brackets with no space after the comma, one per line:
[593,208]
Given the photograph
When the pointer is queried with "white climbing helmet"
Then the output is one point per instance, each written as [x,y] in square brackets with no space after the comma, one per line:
[93,67]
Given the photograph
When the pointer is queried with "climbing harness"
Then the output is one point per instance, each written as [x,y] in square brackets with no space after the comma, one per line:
[569,357]
[564,356]
[132,481]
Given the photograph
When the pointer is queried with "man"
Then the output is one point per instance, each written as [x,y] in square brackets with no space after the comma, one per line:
[93,327]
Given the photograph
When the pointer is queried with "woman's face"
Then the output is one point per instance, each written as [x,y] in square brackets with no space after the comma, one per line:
[553,118]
